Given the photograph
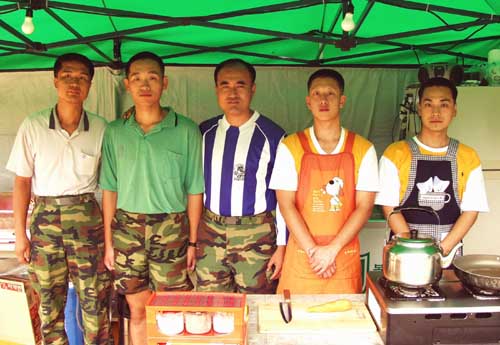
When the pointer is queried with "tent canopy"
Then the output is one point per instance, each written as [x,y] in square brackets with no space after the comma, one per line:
[263,32]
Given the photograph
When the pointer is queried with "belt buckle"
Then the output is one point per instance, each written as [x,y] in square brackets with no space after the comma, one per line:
[67,201]
[72,200]
[223,220]
[231,220]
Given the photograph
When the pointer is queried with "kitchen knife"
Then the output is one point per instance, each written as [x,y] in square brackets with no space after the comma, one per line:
[286,306]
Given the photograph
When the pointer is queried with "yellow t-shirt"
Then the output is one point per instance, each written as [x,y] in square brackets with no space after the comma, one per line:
[399,153]
[359,149]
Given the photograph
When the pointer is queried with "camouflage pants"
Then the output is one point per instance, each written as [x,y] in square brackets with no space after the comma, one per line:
[233,253]
[150,252]
[67,242]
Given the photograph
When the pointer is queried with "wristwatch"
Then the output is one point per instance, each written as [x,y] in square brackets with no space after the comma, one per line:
[192,244]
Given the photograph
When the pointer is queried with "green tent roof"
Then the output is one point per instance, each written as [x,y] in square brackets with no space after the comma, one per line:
[295,33]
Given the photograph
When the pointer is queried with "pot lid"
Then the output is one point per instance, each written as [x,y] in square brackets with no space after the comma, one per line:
[414,237]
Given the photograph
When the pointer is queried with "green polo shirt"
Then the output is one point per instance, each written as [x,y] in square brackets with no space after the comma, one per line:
[153,172]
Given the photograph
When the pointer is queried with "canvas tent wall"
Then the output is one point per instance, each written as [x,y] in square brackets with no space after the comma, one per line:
[373,98]
[298,34]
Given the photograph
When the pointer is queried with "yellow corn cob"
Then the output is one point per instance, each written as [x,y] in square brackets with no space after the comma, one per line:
[338,305]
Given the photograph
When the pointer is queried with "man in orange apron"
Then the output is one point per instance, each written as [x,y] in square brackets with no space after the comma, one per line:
[325,179]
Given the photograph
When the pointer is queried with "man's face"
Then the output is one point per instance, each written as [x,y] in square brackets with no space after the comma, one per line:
[325,99]
[234,89]
[72,82]
[436,109]
[145,82]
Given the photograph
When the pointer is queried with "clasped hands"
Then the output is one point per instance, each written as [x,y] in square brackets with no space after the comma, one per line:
[322,260]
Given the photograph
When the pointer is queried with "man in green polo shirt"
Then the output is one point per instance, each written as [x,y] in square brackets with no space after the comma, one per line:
[152,177]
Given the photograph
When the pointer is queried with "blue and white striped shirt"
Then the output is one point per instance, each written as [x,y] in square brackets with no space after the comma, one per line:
[237,164]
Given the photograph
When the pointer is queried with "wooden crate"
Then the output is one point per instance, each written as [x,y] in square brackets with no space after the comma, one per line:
[209,302]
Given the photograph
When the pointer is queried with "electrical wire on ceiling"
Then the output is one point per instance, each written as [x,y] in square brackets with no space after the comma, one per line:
[460,42]
[138,15]
[115,69]
[110,18]
[444,21]
[469,36]
[494,8]
[322,27]
[454,29]
[416,55]
[74,10]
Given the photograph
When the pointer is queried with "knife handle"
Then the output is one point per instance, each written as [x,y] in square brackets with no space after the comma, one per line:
[286,295]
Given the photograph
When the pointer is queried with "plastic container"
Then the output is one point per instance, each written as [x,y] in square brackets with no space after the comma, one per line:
[198,322]
[223,322]
[170,322]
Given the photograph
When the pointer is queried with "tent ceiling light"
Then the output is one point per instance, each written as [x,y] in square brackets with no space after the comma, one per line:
[28,27]
[348,23]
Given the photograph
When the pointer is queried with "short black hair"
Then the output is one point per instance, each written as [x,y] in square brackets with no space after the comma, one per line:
[438,81]
[144,56]
[73,57]
[235,63]
[326,73]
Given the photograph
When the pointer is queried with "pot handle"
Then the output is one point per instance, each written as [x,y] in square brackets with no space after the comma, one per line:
[409,208]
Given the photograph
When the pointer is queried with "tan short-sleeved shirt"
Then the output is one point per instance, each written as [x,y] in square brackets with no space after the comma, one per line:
[59,163]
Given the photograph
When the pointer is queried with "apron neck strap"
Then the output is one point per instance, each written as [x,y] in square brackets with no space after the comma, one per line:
[348,144]
[304,142]
[349,141]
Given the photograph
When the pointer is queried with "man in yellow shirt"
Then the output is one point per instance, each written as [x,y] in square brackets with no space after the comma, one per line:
[325,179]
[433,170]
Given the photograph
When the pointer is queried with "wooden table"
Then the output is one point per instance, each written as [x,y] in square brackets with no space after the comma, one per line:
[346,337]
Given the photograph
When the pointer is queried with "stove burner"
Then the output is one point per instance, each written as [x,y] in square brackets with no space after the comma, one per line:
[409,292]
[397,292]
[481,294]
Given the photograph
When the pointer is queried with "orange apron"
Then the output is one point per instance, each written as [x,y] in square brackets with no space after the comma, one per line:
[325,198]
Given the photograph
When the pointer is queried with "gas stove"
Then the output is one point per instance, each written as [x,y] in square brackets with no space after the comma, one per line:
[454,317]
[396,292]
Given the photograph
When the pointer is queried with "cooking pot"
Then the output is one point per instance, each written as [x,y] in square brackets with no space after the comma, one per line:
[480,272]
[414,259]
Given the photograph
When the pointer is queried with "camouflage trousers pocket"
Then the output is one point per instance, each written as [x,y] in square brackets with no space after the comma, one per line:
[235,257]
[150,252]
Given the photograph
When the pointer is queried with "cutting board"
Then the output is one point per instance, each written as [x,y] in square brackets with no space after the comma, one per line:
[270,320]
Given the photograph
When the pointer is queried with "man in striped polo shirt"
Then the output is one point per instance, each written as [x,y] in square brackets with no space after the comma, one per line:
[238,248]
